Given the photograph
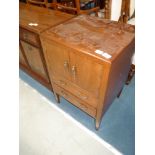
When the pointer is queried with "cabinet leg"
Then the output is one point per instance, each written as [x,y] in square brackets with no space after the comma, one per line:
[131,74]
[119,93]
[97,124]
[57,97]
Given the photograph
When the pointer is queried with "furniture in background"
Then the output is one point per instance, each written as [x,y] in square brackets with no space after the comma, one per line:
[128,11]
[112,9]
[69,6]
[122,11]
[128,16]
[131,20]
[119,10]
[34,20]
[88,70]
[78,6]
[38,2]
[43,3]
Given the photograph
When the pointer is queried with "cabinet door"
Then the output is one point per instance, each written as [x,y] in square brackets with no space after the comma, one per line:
[34,59]
[86,73]
[57,57]
[21,57]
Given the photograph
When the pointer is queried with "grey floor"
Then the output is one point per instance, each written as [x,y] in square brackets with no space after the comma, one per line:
[118,124]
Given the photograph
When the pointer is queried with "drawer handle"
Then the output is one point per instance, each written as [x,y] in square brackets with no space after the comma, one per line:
[66,65]
[82,97]
[83,106]
[74,71]
[62,83]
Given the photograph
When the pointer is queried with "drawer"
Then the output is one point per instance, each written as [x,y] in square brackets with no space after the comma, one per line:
[76,91]
[29,37]
[74,100]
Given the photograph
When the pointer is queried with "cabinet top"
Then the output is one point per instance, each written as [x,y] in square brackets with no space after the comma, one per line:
[102,38]
[38,19]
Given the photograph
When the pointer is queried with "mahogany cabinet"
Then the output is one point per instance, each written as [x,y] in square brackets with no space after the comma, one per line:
[34,20]
[88,60]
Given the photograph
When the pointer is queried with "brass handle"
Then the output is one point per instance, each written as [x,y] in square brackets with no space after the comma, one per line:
[74,71]
[83,106]
[82,96]
[62,83]
[66,64]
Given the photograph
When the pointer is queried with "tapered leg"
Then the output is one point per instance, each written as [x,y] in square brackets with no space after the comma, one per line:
[131,74]
[119,93]
[97,124]
[57,97]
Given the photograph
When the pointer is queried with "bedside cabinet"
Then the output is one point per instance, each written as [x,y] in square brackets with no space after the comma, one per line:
[88,60]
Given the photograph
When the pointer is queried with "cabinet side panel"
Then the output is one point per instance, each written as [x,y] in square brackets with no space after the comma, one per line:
[118,75]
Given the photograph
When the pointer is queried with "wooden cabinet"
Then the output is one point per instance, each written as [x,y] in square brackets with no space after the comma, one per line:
[88,61]
[33,21]
[34,63]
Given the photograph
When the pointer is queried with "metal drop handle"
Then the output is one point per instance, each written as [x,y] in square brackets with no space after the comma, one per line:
[61,82]
[82,96]
[66,64]
[74,71]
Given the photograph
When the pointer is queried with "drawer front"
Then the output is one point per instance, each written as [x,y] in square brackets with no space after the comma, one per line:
[76,91]
[29,37]
[74,100]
